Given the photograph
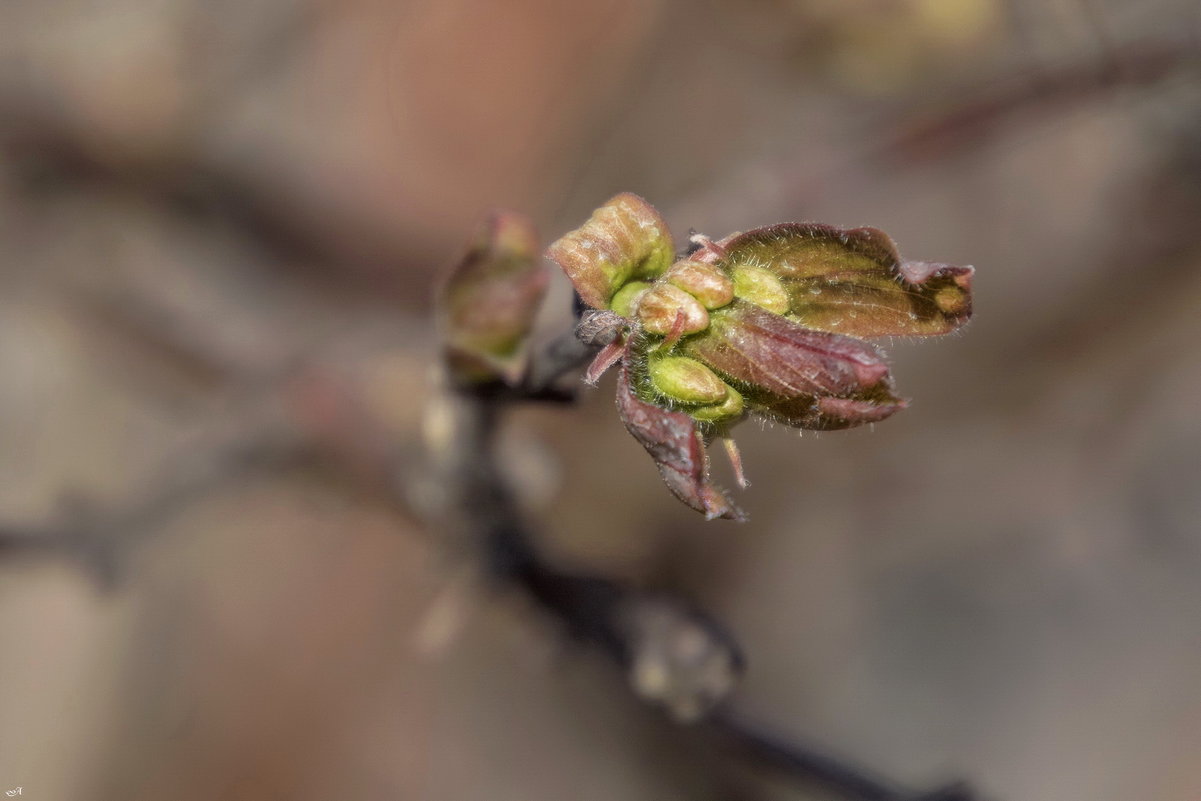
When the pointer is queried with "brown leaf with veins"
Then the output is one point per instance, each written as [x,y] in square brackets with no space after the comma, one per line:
[773,354]
[853,281]
[800,377]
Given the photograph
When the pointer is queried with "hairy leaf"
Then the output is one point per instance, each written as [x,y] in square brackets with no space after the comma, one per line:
[852,281]
[769,323]
[830,413]
[771,354]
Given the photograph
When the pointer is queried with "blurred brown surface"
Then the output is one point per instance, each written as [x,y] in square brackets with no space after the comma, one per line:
[200,202]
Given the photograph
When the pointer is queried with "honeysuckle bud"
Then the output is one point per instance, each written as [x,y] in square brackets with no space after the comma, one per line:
[761,287]
[727,411]
[624,300]
[623,240]
[708,284]
[766,322]
[488,301]
[665,309]
[687,381]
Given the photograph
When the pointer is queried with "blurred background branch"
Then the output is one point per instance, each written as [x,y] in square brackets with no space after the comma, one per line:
[221,224]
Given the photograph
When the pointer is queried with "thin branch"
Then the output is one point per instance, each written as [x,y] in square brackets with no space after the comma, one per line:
[674,654]
[100,541]
[819,767]
[969,119]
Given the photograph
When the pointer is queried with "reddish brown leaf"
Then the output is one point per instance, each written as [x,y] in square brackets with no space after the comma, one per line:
[831,414]
[769,353]
[673,441]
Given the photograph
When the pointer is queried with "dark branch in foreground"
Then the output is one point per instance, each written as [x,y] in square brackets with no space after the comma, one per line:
[812,764]
[674,654]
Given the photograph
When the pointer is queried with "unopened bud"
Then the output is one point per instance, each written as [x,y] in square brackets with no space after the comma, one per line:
[952,300]
[705,282]
[686,380]
[667,309]
[729,409]
[758,286]
[488,301]
[623,302]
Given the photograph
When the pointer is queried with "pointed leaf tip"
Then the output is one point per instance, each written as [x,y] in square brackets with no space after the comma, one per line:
[675,443]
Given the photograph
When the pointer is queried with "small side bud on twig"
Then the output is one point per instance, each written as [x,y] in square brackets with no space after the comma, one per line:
[489,300]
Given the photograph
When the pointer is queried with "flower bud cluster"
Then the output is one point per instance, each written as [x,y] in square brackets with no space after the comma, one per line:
[676,305]
[772,321]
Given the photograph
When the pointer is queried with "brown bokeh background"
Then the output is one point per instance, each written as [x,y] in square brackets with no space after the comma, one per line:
[200,201]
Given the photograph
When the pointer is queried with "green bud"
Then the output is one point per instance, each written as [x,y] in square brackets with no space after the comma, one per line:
[663,303]
[952,300]
[623,301]
[705,282]
[686,380]
[757,285]
[728,409]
